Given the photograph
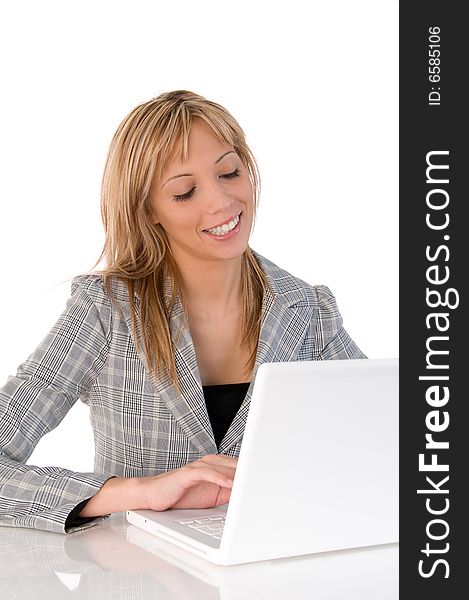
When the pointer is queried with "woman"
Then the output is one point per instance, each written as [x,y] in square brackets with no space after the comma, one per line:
[163,344]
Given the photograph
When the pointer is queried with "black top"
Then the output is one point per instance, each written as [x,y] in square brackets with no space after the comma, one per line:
[223,402]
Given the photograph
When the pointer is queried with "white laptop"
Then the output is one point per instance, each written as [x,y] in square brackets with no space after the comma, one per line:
[317,471]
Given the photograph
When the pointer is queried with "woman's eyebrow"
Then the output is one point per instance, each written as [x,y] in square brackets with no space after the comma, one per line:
[189,174]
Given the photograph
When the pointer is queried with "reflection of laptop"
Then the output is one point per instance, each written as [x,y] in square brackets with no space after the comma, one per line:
[365,573]
[317,471]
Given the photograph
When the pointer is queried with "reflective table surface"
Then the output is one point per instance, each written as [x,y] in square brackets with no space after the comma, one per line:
[116,560]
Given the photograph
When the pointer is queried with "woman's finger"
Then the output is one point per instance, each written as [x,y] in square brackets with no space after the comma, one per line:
[218,459]
[193,473]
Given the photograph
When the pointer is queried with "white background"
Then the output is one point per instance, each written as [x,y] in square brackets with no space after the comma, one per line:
[314,85]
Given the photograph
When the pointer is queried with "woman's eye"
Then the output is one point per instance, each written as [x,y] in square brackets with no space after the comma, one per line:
[232,175]
[188,194]
[185,196]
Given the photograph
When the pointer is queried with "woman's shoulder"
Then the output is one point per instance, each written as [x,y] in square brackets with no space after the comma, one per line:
[288,285]
[94,285]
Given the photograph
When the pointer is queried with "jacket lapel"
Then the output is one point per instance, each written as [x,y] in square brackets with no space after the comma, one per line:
[188,408]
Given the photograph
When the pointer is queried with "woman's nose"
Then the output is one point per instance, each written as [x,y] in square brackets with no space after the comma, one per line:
[218,197]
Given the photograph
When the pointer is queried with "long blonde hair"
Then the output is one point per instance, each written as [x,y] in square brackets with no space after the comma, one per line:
[136,251]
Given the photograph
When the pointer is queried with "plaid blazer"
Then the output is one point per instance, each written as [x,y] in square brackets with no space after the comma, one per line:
[141,426]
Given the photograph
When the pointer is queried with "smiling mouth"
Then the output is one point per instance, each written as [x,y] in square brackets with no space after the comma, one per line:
[237,217]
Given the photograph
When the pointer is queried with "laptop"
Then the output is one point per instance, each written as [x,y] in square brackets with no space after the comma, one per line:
[317,470]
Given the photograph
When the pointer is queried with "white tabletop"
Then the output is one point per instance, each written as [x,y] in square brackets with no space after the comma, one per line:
[108,561]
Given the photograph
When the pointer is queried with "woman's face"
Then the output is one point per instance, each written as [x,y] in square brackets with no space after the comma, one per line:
[208,190]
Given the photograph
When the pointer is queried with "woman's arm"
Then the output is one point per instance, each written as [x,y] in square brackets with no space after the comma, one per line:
[37,398]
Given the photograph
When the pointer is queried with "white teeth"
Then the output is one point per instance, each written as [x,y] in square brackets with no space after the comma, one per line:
[225,228]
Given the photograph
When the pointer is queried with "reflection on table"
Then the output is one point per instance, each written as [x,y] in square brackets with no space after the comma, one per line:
[116,560]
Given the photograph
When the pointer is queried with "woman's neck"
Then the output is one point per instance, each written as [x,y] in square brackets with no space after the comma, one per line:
[212,288]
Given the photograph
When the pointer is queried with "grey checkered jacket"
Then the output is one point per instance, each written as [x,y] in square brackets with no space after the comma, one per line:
[142,426]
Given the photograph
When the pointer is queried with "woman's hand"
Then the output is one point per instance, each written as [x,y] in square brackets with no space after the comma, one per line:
[200,484]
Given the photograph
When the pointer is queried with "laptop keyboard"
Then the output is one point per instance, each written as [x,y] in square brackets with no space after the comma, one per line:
[211,526]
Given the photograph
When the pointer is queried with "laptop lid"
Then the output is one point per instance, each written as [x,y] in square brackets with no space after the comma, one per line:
[318,467]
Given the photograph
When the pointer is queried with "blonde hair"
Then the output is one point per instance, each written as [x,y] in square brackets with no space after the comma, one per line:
[136,251]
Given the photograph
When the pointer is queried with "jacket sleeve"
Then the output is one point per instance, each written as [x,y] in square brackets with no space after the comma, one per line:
[35,400]
[333,342]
